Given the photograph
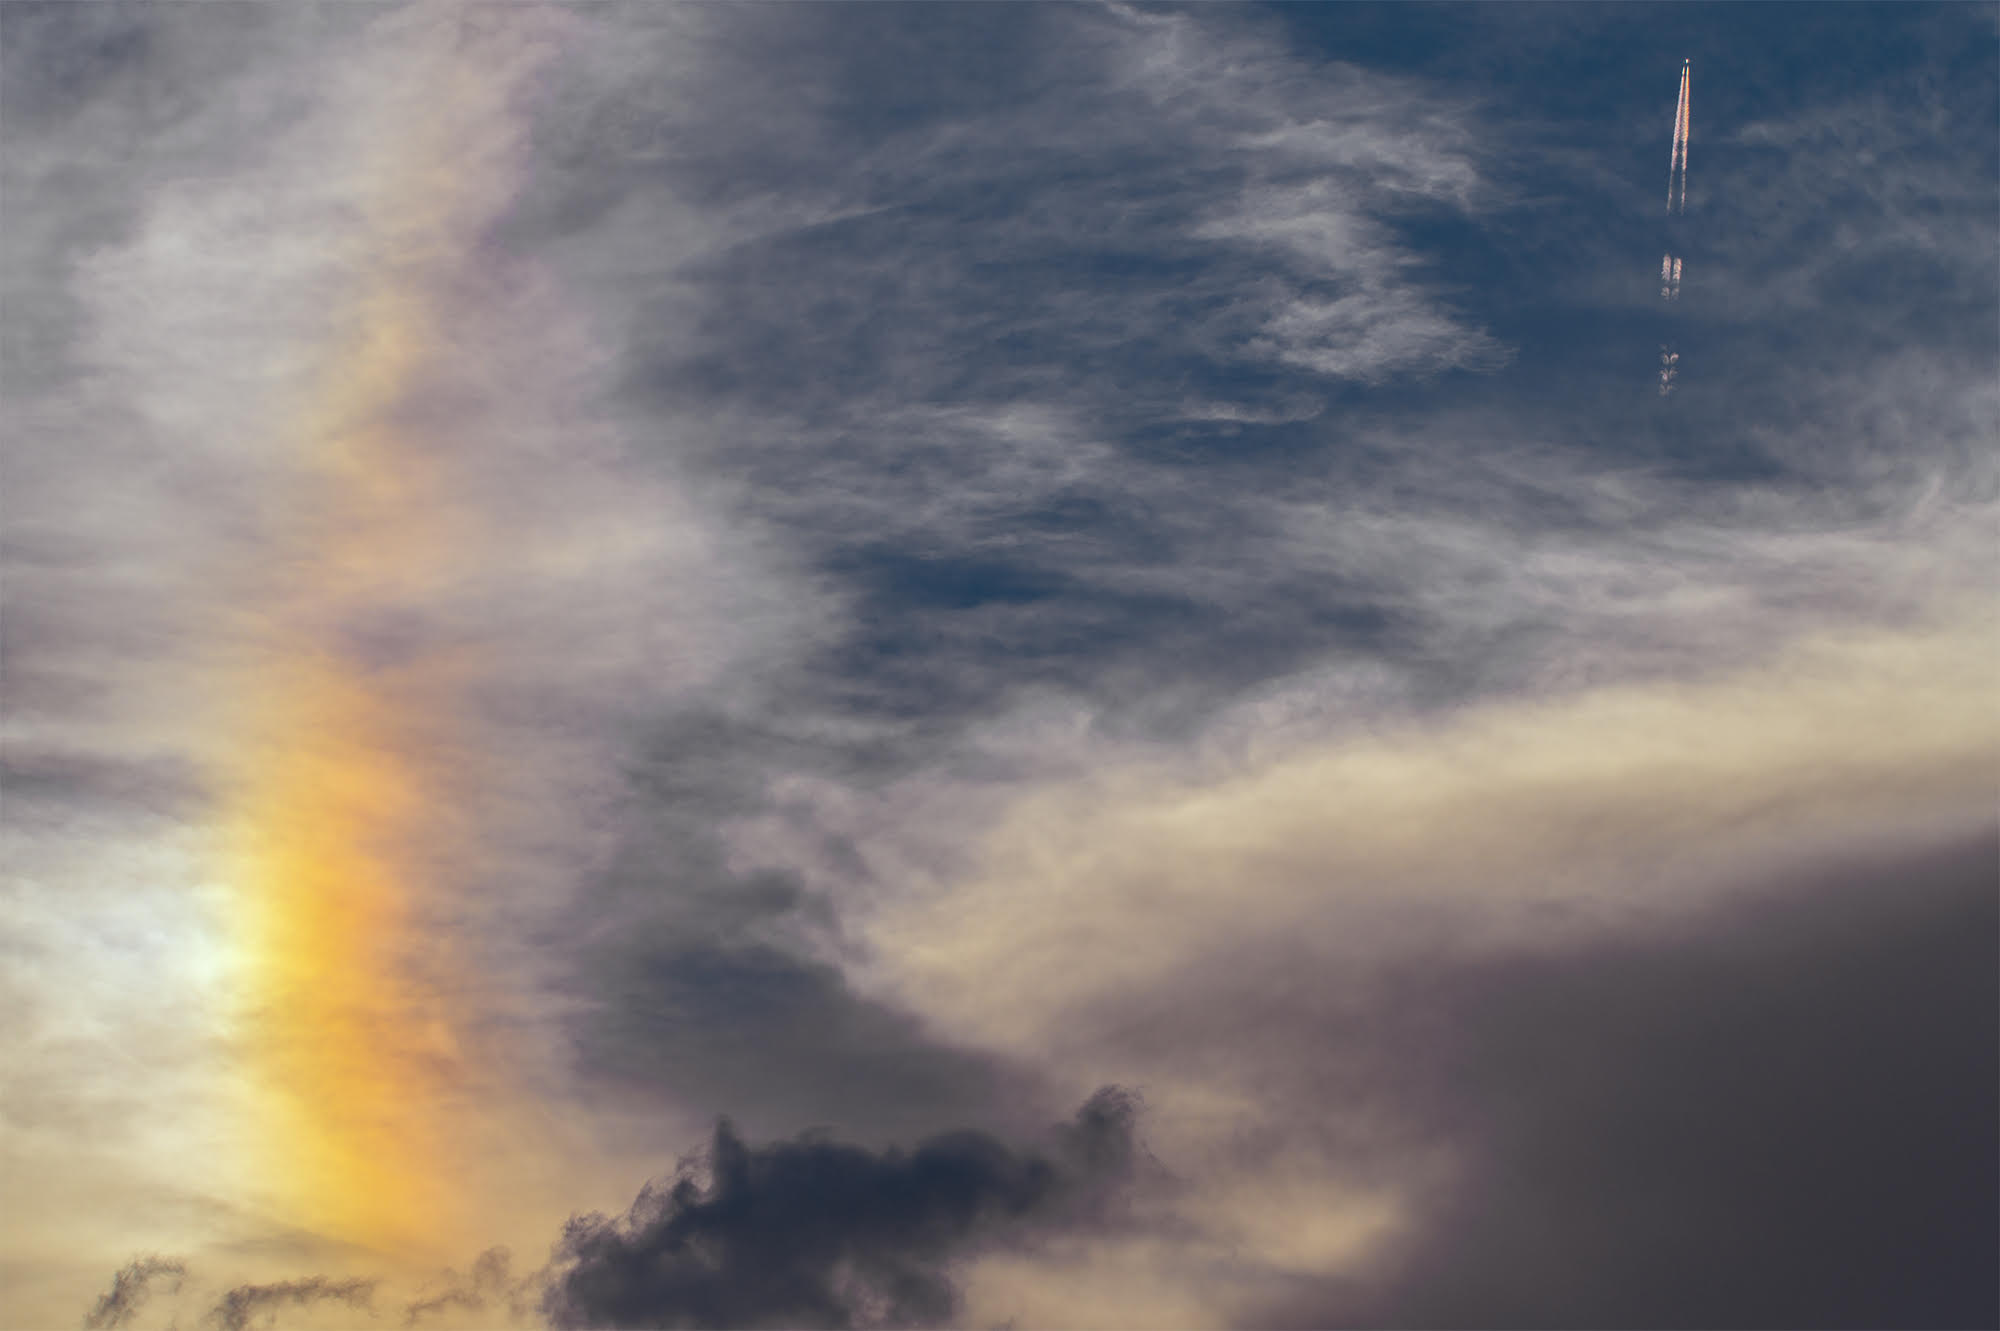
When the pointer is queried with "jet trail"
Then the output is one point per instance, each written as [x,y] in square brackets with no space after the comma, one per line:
[1677,192]
[1670,264]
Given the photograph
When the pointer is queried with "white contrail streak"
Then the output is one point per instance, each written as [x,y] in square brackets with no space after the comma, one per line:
[1677,165]
[1674,153]
[1687,112]
[1670,264]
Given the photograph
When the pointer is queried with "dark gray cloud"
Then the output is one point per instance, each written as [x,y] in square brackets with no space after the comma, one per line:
[1782,1116]
[812,1232]
[241,1306]
[68,783]
[130,1288]
[721,990]
[739,1023]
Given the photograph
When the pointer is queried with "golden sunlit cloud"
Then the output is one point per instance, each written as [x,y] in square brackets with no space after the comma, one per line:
[1506,825]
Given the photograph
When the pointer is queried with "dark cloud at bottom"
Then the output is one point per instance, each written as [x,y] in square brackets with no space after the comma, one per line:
[1779,1115]
[807,1232]
[1785,1119]
[811,1232]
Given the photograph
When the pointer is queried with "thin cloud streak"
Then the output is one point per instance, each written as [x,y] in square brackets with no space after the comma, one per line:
[240,1306]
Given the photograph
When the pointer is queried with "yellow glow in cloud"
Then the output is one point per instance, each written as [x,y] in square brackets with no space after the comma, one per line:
[350,1032]
[341,815]
[353,1045]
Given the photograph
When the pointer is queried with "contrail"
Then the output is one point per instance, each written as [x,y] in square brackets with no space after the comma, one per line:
[1677,167]
[1687,124]
[1670,264]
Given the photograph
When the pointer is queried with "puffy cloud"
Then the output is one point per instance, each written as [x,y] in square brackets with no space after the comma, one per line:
[811,1232]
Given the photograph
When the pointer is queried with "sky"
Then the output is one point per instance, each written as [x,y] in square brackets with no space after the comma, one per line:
[1060,665]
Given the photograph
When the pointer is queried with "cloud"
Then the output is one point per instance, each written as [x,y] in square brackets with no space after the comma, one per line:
[1774,1109]
[810,1232]
[275,155]
[947,534]
[130,1288]
[488,1283]
[241,1305]
[1865,201]
[1227,203]
[1230,931]
[1598,811]
[1780,1115]
[1150,496]
[776,1037]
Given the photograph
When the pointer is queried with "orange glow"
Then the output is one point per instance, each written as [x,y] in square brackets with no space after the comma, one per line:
[351,1037]
[337,822]
[344,833]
